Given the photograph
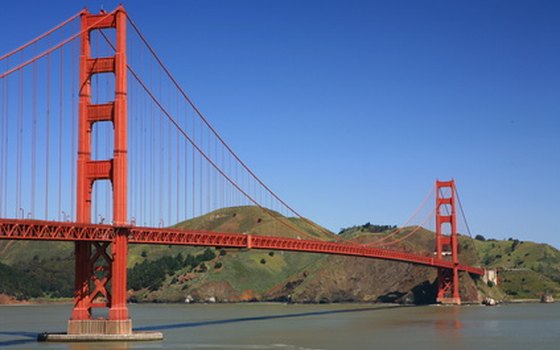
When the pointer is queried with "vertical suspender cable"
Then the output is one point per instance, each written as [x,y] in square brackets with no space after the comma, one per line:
[135,175]
[208,178]
[143,170]
[160,159]
[60,131]
[4,141]
[186,178]
[73,136]
[193,171]
[34,141]
[144,156]
[19,135]
[3,89]
[48,138]
[216,180]
[152,161]
[178,163]
[169,173]
[201,170]
[222,182]
[187,169]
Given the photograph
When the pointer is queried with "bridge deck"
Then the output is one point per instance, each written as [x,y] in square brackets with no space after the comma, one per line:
[16,229]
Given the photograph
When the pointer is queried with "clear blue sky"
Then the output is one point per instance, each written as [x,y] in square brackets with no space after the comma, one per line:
[351,109]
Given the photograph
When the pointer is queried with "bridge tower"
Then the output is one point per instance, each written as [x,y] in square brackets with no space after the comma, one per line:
[102,266]
[447,243]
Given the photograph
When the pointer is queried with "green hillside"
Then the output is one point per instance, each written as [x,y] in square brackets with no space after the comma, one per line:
[233,275]
[261,275]
[527,269]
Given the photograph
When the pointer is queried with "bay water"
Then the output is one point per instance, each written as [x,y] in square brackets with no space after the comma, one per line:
[305,327]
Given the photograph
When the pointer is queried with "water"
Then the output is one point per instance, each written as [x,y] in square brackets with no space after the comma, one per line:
[303,327]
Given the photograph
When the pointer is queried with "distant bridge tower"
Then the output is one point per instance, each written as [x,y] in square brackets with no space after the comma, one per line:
[447,243]
[97,266]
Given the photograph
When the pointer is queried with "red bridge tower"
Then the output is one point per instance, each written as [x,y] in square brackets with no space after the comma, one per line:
[447,243]
[97,266]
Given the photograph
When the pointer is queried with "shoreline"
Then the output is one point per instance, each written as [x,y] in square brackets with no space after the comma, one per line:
[10,300]
[70,302]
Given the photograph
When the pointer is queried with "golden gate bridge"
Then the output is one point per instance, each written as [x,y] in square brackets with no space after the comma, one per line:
[101,146]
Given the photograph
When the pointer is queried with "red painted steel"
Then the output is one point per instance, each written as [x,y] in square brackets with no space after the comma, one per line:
[62,231]
[447,244]
[119,247]
[90,255]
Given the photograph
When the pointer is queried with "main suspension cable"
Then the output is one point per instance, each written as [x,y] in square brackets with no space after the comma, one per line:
[47,33]
[467,224]
[48,51]
[399,229]
[215,132]
[410,233]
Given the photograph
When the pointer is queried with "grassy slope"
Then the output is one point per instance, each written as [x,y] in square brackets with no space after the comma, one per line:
[243,275]
[14,252]
[528,269]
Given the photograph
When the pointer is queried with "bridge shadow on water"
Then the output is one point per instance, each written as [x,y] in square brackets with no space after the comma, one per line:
[28,337]
[31,337]
[257,318]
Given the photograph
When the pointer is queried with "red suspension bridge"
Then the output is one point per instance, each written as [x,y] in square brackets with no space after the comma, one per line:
[90,134]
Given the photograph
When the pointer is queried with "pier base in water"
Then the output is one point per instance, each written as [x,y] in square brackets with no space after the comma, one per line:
[68,338]
[100,330]
[449,301]
[99,326]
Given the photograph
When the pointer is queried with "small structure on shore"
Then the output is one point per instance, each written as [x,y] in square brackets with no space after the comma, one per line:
[547,298]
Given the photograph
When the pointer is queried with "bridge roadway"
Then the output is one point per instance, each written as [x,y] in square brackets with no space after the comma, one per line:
[19,229]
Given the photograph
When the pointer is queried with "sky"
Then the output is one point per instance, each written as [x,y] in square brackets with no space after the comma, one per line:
[350,110]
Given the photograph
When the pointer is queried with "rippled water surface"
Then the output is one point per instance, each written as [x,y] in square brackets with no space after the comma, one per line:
[279,326]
